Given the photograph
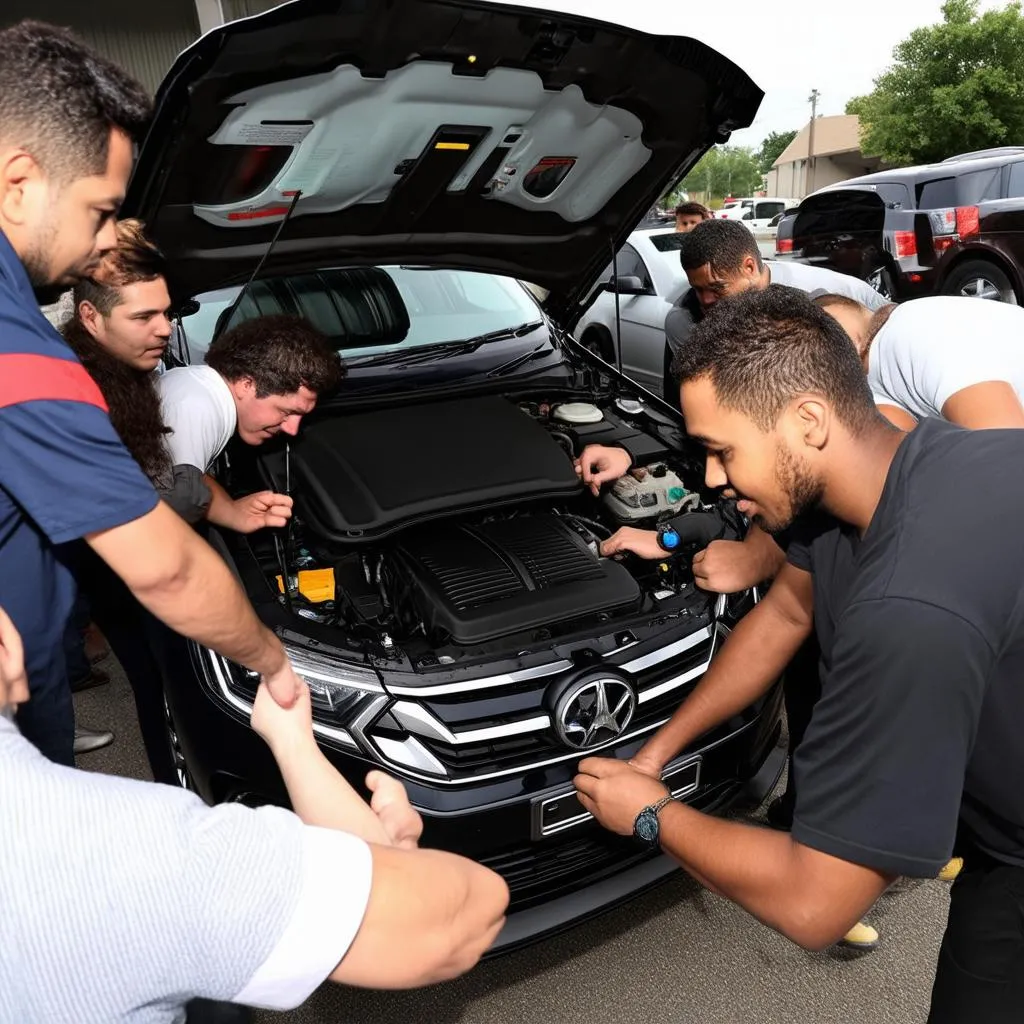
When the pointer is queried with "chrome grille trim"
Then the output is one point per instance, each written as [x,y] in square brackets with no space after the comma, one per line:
[646,661]
[419,720]
[483,683]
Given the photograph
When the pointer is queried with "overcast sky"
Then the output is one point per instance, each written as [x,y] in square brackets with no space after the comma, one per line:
[788,48]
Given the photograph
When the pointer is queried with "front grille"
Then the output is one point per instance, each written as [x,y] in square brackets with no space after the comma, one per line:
[542,870]
[496,713]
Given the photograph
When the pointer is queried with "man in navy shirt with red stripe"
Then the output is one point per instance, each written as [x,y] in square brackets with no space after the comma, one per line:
[67,121]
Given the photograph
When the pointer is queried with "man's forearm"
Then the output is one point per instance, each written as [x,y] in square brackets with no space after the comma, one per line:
[187,585]
[769,557]
[321,796]
[222,508]
[788,887]
[748,665]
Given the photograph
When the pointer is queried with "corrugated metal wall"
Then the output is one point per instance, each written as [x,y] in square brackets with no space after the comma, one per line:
[246,8]
[144,38]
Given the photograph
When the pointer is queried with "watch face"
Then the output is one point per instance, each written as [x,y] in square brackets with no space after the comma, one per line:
[669,539]
[646,826]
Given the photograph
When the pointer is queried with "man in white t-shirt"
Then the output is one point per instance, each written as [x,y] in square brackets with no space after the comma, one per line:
[260,378]
[951,357]
[125,900]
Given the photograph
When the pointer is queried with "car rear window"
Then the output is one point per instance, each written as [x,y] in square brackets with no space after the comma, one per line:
[671,241]
[960,190]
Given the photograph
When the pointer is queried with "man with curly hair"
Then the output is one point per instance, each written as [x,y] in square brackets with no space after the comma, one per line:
[259,379]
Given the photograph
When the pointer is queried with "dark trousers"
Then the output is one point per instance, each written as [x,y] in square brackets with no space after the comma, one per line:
[980,975]
[74,640]
[134,637]
[48,719]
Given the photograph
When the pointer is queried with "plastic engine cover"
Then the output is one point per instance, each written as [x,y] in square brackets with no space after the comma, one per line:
[489,580]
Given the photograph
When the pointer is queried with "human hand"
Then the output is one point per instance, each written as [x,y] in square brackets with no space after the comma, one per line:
[641,542]
[646,763]
[390,802]
[599,464]
[256,511]
[729,566]
[281,726]
[13,678]
[614,792]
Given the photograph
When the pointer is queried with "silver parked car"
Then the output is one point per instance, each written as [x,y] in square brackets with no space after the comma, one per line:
[649,281]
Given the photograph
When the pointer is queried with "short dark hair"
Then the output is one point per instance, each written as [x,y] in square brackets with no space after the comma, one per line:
[722,244]
[59,100]
[692,210]
[134,259]
[763,348]
[279,353]
[825,299]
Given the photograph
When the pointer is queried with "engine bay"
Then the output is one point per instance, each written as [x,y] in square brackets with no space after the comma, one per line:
[459,529]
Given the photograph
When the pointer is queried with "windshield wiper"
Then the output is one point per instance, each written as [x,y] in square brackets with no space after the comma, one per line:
[444,349]
[513,364]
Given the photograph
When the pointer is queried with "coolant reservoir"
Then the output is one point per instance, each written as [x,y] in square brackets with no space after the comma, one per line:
[578,413]
[648,491]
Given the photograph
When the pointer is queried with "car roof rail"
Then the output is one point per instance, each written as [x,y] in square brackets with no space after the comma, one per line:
[979,154]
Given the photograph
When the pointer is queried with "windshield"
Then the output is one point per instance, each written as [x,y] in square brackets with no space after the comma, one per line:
[370,311]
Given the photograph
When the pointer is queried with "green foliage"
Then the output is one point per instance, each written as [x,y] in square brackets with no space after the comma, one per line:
[953,87]
[771,149]
[725,170]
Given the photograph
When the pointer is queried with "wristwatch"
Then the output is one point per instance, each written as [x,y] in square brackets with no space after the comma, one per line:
[668,537]
[646,826]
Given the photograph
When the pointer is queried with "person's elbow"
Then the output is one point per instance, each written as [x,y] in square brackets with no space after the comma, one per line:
[461,945]
[152,554]
[430,918]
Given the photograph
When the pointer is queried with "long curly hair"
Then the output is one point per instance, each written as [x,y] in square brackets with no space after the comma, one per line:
[132,398]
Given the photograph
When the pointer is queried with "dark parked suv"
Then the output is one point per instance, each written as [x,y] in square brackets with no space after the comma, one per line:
[392,172]
[952,228]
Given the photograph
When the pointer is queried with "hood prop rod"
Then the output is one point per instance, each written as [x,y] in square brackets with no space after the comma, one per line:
[618,313]
[263,259]
[283,552]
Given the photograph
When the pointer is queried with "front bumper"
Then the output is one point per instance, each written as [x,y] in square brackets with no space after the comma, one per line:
[555,880]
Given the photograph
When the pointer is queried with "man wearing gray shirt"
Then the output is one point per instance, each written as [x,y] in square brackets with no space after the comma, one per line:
[125,900]
[721,258]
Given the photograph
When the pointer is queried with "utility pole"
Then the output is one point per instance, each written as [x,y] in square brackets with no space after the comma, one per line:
[809,176]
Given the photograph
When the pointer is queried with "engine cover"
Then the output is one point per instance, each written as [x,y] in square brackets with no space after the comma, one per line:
[364,475]
[479,582]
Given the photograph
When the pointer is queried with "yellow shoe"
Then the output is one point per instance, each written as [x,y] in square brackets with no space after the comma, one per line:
[952,869]
[860,936]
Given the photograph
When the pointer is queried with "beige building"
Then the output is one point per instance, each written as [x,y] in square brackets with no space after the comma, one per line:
[144,38]
[836,156]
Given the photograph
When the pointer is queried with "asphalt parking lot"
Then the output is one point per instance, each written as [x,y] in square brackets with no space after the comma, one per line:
[678,955]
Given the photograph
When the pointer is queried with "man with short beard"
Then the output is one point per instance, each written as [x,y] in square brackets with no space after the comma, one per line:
[913,752]
[67,123]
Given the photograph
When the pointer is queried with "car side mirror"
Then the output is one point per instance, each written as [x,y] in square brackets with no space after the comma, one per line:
[627,285]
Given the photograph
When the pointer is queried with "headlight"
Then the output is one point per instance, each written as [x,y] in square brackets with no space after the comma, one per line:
[343,696]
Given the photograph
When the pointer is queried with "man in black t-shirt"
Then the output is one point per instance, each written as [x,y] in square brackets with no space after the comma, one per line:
[915,586]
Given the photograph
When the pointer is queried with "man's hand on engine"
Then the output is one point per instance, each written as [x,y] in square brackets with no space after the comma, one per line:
[640,542]
[599,464]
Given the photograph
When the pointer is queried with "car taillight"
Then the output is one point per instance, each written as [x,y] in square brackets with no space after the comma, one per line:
[905,243]
[783,245]
[952,225]
[968,221]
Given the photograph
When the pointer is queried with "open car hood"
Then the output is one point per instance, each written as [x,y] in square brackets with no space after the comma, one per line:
[429,132]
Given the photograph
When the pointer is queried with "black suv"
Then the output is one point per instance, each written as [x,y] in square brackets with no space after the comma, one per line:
[392,172]
[952,228]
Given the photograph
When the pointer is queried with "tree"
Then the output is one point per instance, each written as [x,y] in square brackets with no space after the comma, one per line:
[953,87]
[771,149]
[725,170]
